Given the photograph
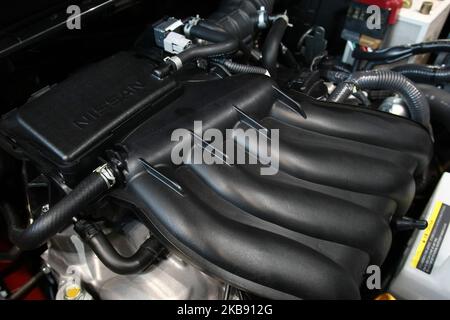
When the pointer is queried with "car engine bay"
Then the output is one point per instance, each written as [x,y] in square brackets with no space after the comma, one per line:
[134,161]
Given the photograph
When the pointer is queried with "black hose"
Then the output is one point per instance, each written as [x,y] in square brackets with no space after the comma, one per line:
[362,98]
[424,74]
[239,17]
[395,54]
[234,24]
[418,107]
[209,32]
[28,286]
[341,76]
[335,76]
[439,101]
[272,44]
[50,223]
[342,67]
[242,46]
[223,45]
[147,254]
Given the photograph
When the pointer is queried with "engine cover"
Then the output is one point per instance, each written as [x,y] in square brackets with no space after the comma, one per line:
[311,230]
[68,127]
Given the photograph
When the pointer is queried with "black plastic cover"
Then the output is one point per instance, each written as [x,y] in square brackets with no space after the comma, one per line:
[309,231]
[67,125]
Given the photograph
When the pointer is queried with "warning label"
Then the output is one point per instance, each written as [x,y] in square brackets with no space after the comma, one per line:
[432,238]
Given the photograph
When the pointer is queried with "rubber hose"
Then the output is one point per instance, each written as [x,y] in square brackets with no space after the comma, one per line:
[237,20]
[50,223]
[272,44]
[225,45]
[28,286]
[206,31]
[394,54]
[147,254]
[242,46]
[439,101]
[418,107]
[335,76]
[239,17]
[425,74]
[343,68]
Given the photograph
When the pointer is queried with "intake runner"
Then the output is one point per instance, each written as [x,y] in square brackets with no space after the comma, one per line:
[309,231]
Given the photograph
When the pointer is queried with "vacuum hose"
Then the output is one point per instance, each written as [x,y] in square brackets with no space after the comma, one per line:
[272,44]
[148,253]
[50,223]
[395,54]
[418,107]
[240,17]
[230,27]
[425,74]
[222,45]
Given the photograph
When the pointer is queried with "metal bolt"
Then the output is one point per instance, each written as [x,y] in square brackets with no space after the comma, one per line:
[426,8]
[45,208]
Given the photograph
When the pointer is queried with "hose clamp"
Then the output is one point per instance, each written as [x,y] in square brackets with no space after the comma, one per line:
[176,61]
[191,23]
[107,174]
[283,16]
[262,18]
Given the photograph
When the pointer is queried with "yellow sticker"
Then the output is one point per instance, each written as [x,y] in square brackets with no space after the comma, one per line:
[426,234]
